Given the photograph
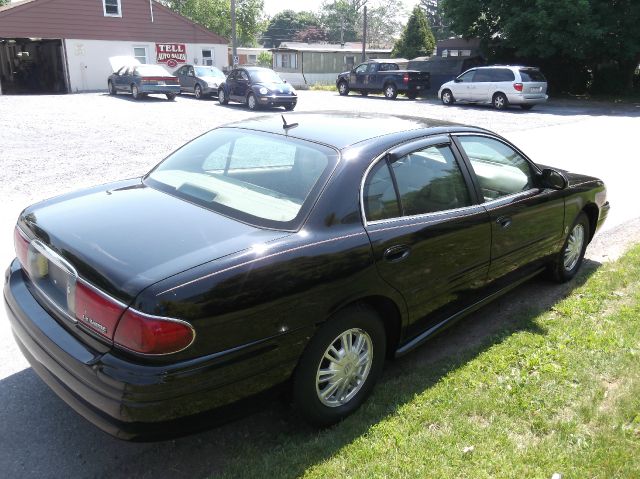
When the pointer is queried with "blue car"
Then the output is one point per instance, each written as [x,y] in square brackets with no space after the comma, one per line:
[142,80]
[257,87]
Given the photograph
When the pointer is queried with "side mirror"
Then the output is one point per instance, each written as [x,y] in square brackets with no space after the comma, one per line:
[457,80]
[553,179]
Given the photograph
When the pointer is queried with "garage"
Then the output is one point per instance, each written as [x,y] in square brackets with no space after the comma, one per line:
[32,65]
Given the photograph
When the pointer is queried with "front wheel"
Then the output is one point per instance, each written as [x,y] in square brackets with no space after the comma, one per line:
[343,88]
[112,89]
[447,98]
[197,91]
[500,101]
[252,103]
[289,106]
[340,366]
[222,97]
[390,91]
[171,96]
[568,261]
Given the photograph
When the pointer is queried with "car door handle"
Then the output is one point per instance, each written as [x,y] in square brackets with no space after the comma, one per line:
[397,253]
[504,221]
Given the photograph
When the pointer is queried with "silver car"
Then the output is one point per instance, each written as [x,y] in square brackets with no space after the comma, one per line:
[202,81]
[500,86]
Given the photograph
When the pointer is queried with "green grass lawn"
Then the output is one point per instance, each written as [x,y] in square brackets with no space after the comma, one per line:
[551,392]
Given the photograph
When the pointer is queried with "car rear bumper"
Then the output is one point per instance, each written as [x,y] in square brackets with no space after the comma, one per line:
[527,98]
[160,89]
[131,399]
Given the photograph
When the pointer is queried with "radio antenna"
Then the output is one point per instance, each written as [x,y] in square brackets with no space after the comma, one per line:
[286,126]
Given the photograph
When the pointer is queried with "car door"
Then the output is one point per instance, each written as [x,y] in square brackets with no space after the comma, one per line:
[230,82]
[527,221]
[463,87]
[431,240]
[181,73]
[119,81]
[481,85]
[358,75]
[240,86]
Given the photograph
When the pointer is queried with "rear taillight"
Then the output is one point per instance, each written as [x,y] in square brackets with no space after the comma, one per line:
[145,334]
[21,244]
[96,311]
[517,86]
[405,78]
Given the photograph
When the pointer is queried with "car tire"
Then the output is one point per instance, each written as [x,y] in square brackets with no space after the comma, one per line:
[364,93]
[569,259]
[135,93]
[252,102]
[112,89]
[222,97]
[353,344]
[526,107]
[343,88]
[289,107]
[500,101]
[447,98]
[171,96]
[197,91]
[390,91]
[412,96]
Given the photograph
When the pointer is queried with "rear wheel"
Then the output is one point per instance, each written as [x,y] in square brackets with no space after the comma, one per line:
[171,96]
[343,88]
[500,101]
[526,107]
[135,92]
[112,89]
[197,91]
[222,97]
[447,98]
[340,366]
[568,261]
[390,91]
[252,102]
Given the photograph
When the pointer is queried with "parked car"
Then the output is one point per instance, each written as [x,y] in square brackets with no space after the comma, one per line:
[383,76]
[302,252]
[202,81]
[500,86]
[257,87]
[142,80]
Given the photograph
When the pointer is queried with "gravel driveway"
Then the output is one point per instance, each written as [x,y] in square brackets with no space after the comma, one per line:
[54,144]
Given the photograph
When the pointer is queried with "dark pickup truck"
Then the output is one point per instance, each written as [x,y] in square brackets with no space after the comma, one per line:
[375,76]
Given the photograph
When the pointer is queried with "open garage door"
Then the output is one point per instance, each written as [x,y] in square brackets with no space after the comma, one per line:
[30,65]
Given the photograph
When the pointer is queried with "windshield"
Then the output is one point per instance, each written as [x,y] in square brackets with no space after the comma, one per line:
[209,72]
[265,76]
[259,178]
[151,70]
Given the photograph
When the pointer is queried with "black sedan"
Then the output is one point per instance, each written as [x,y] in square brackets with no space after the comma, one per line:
[301,252]
[257,87]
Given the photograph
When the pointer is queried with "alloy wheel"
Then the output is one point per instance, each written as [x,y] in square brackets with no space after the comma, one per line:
[573,250]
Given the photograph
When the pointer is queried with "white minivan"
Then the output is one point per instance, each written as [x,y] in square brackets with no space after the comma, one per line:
[498,85]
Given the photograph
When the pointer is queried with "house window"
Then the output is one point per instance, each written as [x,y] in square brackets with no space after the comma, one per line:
[207,57]
[465,53]
[140,54]
[286,60]
[112,8]
[252,59]
[349,61]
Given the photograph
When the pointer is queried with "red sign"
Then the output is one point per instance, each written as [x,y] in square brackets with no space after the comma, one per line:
[171,53]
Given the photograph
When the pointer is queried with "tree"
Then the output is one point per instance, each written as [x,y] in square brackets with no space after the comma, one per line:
[437,19]
[384,23]
[341,19]
[4,2]
[417,39]
[597,36]
[286,25]
[265,59]
[312,34]
[215,15]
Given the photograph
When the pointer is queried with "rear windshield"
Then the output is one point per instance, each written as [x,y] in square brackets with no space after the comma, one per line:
[263,179]
[532,75]
[151,70]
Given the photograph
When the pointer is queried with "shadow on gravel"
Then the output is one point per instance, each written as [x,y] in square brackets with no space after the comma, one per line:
[43,437]
[159,97]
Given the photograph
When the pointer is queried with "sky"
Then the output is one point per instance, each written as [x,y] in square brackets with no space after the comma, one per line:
[271,7]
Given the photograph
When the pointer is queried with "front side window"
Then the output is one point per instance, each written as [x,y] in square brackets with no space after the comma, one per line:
[501,171]
[112,8]
[362,68]
[427,181]
[260,178]
[467,76]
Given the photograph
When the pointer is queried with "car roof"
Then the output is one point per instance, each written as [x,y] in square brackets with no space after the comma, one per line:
[342,129]
[504,66]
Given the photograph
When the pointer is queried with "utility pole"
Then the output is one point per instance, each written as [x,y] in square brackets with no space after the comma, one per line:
[234,44]
[364,35]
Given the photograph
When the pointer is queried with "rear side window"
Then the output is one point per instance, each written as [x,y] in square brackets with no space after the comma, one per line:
[502,74]
[428,180]
[532,75]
